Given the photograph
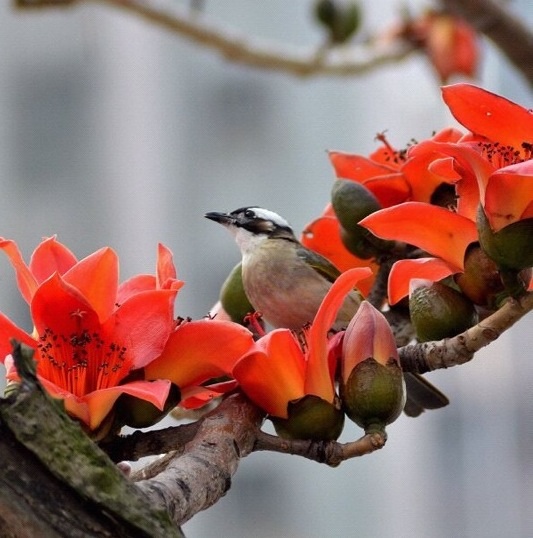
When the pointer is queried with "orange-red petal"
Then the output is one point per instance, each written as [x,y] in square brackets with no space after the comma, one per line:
[59,308]
[134,285]
[143,324]
[51,257]
[96,278]
[273,373]
[92,408]
[434,229]
[318,380]
[166,271]
[509,195]
[368,335]
[490,115]
[390,189]
[403,271]
[195,397]
[199,350]
[357,167]
[471,166]
[9,330]
[27,283]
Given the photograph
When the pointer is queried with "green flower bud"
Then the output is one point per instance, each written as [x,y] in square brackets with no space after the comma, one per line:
[372,387]
[438,311]
[351,203]
[233,298]
[311,418]
[374,394]
[341,19]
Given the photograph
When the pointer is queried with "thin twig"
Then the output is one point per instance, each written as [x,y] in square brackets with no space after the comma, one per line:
[331,453]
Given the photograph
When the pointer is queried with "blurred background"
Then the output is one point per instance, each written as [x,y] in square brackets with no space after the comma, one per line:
[114,132]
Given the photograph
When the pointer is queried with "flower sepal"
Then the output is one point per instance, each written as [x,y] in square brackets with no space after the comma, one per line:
[481,281]
[438,311]
[510,247]
[137,413]
[311,418]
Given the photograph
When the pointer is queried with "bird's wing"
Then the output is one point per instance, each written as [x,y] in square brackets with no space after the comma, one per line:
[320,264]
[421,395]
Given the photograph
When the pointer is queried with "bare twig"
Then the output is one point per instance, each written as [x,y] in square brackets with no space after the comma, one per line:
[262,54]
[487,16]
[329,452]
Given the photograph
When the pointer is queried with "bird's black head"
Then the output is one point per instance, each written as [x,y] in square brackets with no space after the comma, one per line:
[254,219]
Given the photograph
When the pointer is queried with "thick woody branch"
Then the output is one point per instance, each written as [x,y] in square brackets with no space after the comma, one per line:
[508,32]
[460,349]
[201,475]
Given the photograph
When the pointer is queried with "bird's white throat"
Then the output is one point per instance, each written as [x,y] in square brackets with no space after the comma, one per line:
[248,242]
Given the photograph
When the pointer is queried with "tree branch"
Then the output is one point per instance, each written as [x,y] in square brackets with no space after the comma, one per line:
[199,477]
[140,444]
[509,33]
[487,16]
[428,356]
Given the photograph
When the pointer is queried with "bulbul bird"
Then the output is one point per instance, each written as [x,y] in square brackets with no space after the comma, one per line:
[287,282]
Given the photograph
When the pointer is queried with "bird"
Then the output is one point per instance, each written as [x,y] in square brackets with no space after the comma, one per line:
[286,282]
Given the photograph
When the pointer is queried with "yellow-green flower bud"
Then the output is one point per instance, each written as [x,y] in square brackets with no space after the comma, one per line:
[233,298]
[137,413]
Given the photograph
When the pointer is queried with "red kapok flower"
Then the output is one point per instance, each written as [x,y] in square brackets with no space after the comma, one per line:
[436,230]
[89,332]
[96,340]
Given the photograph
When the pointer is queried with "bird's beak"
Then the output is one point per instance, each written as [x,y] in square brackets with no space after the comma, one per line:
[222,218]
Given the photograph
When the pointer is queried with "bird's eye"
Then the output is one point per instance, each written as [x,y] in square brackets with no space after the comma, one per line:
[249,214]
